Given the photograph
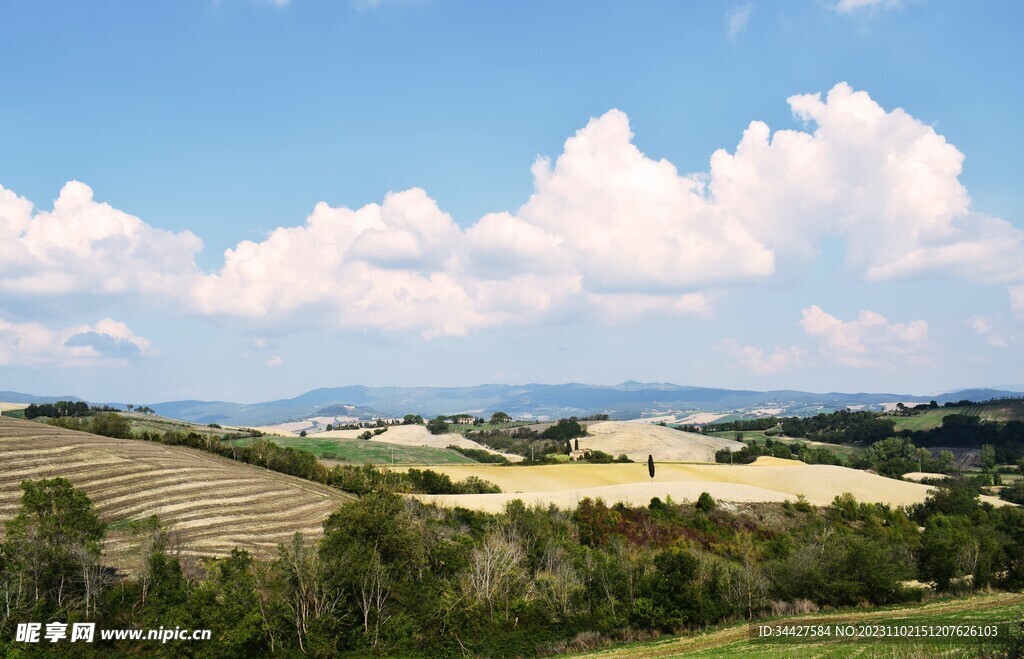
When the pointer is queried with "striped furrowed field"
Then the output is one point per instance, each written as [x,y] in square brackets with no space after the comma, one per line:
[209,504]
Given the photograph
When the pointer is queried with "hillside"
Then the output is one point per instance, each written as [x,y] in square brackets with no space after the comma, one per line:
[211,504]
[639,440]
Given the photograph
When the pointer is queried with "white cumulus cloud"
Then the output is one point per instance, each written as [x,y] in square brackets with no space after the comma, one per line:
[107,343]
[758,362]
[986,327]
[609,232]
[1017,300]
[869,340]
[86,247]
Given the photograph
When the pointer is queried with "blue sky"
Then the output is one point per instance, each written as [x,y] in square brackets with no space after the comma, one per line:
[853,254]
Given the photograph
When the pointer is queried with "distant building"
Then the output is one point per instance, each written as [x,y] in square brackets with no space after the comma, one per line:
[463,419]
[579,454]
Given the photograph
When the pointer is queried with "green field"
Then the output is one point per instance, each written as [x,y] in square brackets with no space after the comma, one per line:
[933,418]
[361,451]
[735,640]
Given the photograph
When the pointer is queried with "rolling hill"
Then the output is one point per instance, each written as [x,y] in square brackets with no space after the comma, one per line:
[209,504]
[639,440]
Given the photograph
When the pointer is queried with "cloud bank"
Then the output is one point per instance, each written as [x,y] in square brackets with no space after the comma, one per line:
[609,232]
[107,343]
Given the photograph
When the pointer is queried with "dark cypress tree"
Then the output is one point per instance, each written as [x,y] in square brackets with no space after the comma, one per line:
[650,465]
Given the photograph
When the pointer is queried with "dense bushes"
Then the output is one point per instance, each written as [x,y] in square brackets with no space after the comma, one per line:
[108,424]
[842,427]
[778,449]
[962,430]
[480,455]
[564,430]
[394,577]
[896,456]
[61,408]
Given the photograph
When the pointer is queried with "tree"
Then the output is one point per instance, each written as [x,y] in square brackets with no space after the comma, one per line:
[946,550]
[110,424]
[330,427]
[437,426]
[54,545]
[650,466]
[987,457]
[564,429]
[302,433]
[499,418]
[497,573]
[705,502]
[577,443]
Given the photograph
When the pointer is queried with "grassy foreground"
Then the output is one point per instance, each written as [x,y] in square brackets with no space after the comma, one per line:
[733,641]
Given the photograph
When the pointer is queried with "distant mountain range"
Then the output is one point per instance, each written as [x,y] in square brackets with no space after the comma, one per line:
[628,400]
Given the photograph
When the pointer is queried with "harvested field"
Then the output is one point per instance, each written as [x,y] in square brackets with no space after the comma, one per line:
[918,476]
[768,479]
[210,504]
[10,407]
[638,440]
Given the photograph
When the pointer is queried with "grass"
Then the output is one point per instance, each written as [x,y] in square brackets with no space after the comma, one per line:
[360,451]
[931,418]
[734,640]
[1012,411]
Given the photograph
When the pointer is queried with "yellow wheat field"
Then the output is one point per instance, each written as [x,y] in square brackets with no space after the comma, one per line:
[768,479]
